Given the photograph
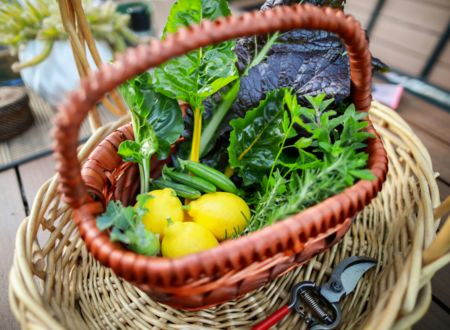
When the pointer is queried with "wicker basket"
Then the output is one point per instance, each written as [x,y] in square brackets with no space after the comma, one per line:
[15,112]
[238,266]
[55,283]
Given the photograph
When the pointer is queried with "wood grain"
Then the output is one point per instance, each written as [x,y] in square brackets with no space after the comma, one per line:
[438,151]
[419,15]
[397,58]
[12,212]
[34,174]
[424,41]
[426,116]
[440,75]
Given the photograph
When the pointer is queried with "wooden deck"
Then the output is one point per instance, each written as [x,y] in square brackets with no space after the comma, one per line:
[19,185]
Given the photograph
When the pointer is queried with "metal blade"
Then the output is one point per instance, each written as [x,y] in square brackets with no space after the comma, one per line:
[351,276]
[345,277]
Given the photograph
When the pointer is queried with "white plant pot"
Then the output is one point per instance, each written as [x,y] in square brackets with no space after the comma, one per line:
[57,74]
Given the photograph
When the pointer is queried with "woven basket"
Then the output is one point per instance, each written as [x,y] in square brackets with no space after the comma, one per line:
[15,112]
[236,266]
[56,284]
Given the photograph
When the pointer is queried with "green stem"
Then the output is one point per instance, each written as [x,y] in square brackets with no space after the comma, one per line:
[35,60]
[222,110]
[142,178]
[280,151]
[145,176]
[196,135]
[230,97]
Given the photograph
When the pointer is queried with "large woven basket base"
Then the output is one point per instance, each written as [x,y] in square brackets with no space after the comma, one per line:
[55,283]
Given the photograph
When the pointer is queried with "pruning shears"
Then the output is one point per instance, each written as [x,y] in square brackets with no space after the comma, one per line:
[317,305]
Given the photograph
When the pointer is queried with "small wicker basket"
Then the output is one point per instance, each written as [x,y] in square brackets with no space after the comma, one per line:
[15,112]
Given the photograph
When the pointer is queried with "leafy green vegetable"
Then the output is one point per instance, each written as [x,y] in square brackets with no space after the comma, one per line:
[125,224]
[256,138]
[157,123]
[309,169]
[230,96]
[201,73]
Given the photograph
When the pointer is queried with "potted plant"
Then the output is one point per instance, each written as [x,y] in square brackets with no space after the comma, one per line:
[34,30]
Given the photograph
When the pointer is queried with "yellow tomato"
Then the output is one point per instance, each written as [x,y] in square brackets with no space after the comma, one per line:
[185,238]
[222,213]
[162,208]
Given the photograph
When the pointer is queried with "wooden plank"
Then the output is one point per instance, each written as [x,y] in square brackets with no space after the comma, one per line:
[11,213]
[396,57]
[440,75]
[34,174]
[445,55]
[419,15]
[401,35]
[363,15]
[430,118]
[438,150]
[438,3]
[436,318]
[367,5]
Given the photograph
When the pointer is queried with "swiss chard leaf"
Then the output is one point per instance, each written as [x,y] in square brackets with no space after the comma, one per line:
[166,119]
[201,73]
[130,151]
[157,123]
[155,110]
[255,139]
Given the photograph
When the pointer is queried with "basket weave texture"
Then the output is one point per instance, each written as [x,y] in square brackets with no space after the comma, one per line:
[15,113]
[236,266]
[56,284]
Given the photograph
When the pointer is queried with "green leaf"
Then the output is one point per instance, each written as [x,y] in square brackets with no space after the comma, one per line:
[157,123]
[165,117]
[127,227]
[143,241]
[256,138]
[303,143]
[130,151]
[199,74]
[183,13]
[116,215]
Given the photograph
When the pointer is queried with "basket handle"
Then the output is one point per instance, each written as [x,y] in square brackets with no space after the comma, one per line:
[135,61]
